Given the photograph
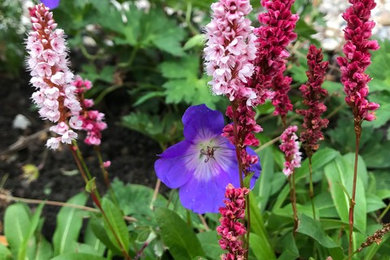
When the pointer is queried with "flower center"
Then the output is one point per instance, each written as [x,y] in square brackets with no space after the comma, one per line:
[208,152]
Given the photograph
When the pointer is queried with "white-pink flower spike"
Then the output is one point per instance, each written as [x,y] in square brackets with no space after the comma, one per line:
[51,77]
[230,49]
[290,147]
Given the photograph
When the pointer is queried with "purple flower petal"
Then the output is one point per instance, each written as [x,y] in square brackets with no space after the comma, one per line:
[205,196]
[171,168]
[256,168]
[51,3]
[202,122]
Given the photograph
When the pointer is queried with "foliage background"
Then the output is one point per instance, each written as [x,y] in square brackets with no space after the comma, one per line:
[152,56]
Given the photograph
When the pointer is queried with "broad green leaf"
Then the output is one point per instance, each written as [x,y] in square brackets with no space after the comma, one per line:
[260,247]
[33,226]
[263,187]
[99,231]
[136,199]
[339,174]
[5,254]
[16,226]
[290,249]
[117,223]
[257,226]
[69,221]
[374,203]
[44,249]
[362,168]
[209,242]
[177,235]
[320,158]
[78,256]
[91,240]
[313,229]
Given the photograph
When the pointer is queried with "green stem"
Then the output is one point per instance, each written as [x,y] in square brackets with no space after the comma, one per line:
[358,131]
[311,188]
[94,193]
[384,212]
[105,174]
[293,199]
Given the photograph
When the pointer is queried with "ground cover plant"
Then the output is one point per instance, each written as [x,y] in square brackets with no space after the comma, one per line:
[165,129]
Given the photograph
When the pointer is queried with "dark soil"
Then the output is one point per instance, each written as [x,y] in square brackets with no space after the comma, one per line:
[132,154]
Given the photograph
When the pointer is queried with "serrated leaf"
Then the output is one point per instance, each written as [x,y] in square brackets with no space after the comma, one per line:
[177,235]
[69,223]
[118,224]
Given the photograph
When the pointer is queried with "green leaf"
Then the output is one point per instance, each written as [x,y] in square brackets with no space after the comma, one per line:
[290,249]
[91,240]
[197,40]
[5,254]
[374,203]
[312,228]
[16,226]
[33,226]
[184,84]
[320,158]
[118,224]
[177,235]
[209,242]
[44,249]
[135,200]
[78,256]
[257,226]
[339,174]
[101,234]
[69,221]
[263,187]
[260,247]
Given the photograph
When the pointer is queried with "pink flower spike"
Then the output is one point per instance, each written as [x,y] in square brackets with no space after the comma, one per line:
[51,76]
[91,121]
[232,229]
[357,58]
[290,147]
[230,49]
[313,95]
[273,36]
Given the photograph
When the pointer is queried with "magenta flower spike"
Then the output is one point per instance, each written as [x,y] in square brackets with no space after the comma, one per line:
[203,164]
[55,96]
[92,120]
[230,50]
[273,36]
[313,96]
[51,3]
[232,229]
[290,147]
[357,58]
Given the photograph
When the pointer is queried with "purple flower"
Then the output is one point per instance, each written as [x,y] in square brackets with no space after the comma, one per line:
[51,3]
[203,164]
